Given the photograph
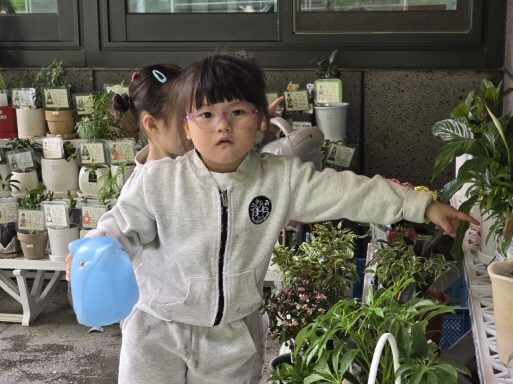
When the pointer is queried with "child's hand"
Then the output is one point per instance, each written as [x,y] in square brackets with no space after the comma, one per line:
[272,113]
[68,266]
[446,218]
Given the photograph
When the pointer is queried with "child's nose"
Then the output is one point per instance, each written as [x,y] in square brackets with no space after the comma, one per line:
[223,122]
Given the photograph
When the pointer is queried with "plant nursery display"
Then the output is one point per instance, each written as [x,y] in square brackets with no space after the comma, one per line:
[476,129]
[315,276]
[340,344]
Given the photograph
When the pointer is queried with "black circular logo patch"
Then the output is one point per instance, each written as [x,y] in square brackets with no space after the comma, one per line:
[259,209]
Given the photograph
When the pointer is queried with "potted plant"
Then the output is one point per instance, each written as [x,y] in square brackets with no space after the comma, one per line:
[31,233]
[7,113]
[473,129]
[340,344]
[53,92]
[411,255]
[59,167]
[8,184]
[103,122]
[61,237]
[330,111]
[27,171]
[315,276]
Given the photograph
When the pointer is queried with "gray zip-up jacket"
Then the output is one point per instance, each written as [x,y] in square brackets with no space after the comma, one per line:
[172,208]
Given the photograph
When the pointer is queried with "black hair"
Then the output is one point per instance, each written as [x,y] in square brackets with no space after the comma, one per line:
[220,77]
[149,94]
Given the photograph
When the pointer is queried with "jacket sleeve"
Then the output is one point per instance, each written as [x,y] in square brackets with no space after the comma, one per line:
[330,195]
[129,221]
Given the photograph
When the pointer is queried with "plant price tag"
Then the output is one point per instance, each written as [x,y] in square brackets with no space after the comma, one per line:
[121,151]
[30,220]
[91,214]
[7,210]
[52,148]
[55,214]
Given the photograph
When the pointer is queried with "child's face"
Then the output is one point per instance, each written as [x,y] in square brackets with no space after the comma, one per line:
[223,148]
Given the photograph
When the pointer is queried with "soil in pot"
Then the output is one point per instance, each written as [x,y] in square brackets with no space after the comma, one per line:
[285,358]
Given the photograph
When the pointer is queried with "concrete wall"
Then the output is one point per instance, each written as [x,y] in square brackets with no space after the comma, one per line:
[390,115]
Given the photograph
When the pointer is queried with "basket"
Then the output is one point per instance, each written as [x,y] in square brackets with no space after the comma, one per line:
[454,326]
[458,293]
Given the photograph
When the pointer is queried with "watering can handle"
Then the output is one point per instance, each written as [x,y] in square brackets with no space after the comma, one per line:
[281,123]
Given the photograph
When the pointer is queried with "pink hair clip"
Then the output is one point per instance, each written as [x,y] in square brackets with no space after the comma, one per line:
[133,76]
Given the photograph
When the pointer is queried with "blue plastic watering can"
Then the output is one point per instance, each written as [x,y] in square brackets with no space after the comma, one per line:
[103,285]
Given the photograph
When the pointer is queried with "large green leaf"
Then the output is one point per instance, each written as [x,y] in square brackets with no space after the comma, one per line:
[451,129]
[420,345]
[448,153]
[477,165]
[457,249]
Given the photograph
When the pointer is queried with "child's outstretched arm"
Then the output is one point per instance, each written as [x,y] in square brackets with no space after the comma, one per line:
[446,218]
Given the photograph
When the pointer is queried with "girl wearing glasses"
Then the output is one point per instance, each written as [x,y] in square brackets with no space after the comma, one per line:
[208,222]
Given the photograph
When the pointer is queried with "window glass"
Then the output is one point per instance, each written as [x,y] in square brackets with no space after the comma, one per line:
[200,6]
[377,5]
[28,6]
[382,16]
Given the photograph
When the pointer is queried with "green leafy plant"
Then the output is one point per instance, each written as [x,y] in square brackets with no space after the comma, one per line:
[474,129]
[8,183]
[411,256]
[103,122]
[340,344]
[112,189]
[70,151]
[315,276]
[35,196]
[52,76]
[20,143]
[326,68]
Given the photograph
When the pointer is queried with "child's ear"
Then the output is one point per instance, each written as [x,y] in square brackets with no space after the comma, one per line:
[186,129]
[149,124]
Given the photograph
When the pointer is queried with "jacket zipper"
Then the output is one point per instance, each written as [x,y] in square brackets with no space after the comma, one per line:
[222,249]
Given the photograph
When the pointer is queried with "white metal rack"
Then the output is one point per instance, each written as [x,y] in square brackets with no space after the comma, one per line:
[490,368]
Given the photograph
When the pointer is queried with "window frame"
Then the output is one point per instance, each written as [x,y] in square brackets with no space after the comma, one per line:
[105,42]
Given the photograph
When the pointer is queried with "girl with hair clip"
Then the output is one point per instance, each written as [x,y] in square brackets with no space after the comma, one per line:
[153,90]
[208,222]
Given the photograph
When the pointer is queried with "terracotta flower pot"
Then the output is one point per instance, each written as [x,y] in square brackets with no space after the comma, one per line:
[61,122]
[33,245]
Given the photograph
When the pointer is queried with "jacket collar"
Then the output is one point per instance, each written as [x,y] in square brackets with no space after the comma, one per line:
[244,170]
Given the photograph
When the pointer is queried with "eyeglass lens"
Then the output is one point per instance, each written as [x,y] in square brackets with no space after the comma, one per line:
[209,118]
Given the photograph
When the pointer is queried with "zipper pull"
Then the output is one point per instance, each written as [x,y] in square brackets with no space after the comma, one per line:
[224,198]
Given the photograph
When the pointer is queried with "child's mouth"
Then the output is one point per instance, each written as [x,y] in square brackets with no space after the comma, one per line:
[224,140]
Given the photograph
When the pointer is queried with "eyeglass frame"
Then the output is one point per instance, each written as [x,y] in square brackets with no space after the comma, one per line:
[191,117]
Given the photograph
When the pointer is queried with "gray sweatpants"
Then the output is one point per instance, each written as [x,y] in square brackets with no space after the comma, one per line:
[158,351]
